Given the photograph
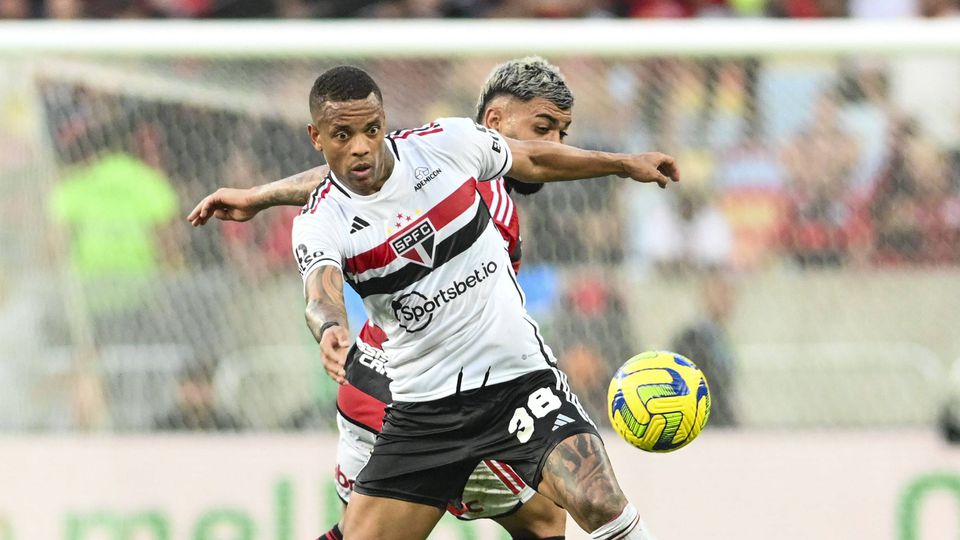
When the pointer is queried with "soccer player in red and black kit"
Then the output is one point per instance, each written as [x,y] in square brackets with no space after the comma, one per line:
[523,99]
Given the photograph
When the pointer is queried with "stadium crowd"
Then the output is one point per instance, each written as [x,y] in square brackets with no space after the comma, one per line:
[106,9]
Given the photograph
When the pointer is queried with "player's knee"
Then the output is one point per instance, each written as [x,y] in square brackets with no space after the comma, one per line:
[595,511]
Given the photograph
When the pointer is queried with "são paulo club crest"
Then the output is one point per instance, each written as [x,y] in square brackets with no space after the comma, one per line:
[417,244]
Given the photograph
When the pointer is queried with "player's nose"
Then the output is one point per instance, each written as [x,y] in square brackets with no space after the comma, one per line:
[360,148]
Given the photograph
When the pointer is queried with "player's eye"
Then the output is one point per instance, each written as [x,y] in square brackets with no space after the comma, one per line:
[373,130]
[543,130]
[341,136]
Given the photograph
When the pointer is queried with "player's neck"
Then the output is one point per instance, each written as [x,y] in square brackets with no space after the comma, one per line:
[374,184]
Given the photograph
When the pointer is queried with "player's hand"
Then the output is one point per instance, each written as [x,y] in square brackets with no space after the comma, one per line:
[651,167]
[226,204]
[334,345]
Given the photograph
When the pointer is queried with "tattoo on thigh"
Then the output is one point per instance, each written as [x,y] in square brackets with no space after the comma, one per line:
[579,468]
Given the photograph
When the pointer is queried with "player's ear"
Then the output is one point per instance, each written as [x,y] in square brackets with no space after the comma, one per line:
[492,117]
[314,134]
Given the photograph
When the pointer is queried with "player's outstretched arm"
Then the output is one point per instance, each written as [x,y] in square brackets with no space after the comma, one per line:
[542,161]
[327,319]
[231,204]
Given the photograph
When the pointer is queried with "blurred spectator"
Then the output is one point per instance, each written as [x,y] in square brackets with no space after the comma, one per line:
[865,110]
[229,9]
[822,226]
[673,9]
[939,8]
[409,9]
[553,9]
[807,9]
[15,9]
[915,207]
[114,208]
[705,342]
[197,407]
[686,232]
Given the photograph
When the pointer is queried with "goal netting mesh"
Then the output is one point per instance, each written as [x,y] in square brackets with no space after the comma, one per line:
[808,261]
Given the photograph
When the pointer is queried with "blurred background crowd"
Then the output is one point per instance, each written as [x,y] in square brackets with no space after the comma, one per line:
[815,234]
[73,9]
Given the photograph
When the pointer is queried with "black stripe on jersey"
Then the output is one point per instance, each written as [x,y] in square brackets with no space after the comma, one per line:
[314,194]
[506,158]
[316,264]
[393,144]
[336,184]
[543,349]
[517,251]
[411,273]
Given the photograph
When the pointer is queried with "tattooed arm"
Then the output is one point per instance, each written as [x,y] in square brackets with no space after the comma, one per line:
[231,204]
[327,319]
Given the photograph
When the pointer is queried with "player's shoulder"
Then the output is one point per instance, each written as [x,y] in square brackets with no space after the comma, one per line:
[325,202]
[442,132]
[447,126]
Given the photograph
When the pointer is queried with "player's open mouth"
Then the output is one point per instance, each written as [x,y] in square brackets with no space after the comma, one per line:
[362,171]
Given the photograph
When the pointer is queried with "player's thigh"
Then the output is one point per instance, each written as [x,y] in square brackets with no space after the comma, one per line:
[578,476]
[380,518]
[537,518]
[354,446]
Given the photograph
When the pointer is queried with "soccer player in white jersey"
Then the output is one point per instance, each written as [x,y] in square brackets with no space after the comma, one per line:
[471,376]
[523,99]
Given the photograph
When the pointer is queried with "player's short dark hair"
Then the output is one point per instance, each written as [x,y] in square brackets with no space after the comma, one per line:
[342,83]
[525,79]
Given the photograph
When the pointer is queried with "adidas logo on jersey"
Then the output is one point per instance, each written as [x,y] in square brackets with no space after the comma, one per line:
[358,223]
[561,421]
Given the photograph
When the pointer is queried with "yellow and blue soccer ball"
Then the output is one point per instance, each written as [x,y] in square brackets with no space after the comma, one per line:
[658,401]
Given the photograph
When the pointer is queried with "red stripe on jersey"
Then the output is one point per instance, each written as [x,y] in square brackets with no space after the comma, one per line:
[322,195]
[440,215]
[360,408]
[432,131]
[503,478]
[509,227]
[406,133]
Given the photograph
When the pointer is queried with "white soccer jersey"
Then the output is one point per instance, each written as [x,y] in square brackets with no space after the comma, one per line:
[428,262]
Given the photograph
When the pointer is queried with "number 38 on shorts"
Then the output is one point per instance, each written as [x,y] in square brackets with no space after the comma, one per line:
[539,404]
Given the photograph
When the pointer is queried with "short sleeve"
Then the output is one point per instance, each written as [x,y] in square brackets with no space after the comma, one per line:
[484,146]
[314,245]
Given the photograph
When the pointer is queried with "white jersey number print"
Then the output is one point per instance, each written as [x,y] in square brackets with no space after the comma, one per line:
[428,263]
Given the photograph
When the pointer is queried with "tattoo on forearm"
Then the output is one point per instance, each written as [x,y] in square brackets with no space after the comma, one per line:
[325,299]
[293,190]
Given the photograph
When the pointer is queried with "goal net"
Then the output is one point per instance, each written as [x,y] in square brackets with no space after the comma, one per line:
[808,261]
